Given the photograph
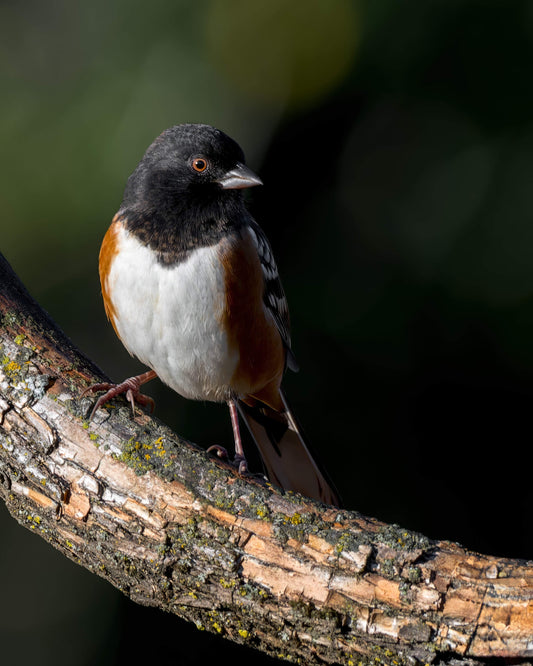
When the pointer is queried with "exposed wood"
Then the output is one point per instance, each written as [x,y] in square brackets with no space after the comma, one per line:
[170,527]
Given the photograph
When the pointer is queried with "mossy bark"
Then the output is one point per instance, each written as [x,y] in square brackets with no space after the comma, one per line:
[154,515]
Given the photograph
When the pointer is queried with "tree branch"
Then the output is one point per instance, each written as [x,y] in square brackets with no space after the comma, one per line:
[130,501]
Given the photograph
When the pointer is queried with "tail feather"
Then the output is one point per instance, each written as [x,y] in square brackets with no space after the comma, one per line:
[285,453]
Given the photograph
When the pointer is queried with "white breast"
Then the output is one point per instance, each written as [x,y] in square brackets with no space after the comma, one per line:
[169,317]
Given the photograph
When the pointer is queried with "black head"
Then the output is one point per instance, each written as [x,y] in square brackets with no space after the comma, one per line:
[189,164]
[186,190]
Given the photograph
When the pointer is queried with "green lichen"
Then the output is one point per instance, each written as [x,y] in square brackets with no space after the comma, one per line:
[384,656]
[262,511]
[399,538]
[388,568]
[297,525]
[136,457]
[222,501]
[414,575]
[10,319]
[22,375]
[405,591]
[253,592]
[348,541]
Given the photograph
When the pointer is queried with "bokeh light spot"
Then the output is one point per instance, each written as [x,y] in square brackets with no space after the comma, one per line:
[278,51]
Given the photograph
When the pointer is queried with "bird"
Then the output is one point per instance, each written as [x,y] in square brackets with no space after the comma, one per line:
[192,290]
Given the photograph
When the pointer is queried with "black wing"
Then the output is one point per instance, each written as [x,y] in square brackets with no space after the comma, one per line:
[273,295]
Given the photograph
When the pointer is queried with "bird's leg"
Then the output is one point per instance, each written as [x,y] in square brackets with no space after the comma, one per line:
[239,451]
[131,387]
[239,461]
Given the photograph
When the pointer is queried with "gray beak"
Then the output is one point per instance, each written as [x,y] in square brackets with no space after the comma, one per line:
[239,178]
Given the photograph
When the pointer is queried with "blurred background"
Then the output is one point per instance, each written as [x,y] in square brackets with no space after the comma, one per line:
[395,142]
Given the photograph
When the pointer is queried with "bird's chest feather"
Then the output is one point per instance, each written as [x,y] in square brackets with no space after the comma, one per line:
[170,316]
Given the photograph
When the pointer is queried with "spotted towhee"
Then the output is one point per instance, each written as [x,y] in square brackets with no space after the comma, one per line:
[192,290]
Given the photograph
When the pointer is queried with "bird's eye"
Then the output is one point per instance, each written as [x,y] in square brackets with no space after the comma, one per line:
[199,164]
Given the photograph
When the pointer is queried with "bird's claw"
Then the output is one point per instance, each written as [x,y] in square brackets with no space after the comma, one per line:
[239,462]
[242,465]
[129,386]
[218,451]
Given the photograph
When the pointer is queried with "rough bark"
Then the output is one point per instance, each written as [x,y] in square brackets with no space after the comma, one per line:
[154,515]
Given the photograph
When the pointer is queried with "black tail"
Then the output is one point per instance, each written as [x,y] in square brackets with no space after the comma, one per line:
[286,455]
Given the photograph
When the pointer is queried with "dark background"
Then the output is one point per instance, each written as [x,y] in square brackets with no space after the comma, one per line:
[395,142]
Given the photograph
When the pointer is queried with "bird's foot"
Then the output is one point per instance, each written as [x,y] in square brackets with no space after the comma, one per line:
[131,387]
[238,462]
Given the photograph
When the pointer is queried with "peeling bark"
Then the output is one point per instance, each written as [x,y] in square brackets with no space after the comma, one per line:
[154,515]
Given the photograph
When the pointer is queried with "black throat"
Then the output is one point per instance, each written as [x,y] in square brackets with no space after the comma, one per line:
[174,232]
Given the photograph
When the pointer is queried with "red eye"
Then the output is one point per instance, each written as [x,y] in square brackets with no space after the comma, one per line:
[199,164]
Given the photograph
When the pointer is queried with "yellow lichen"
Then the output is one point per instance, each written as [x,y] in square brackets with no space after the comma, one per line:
[11,367]
[227,583]
[34,519]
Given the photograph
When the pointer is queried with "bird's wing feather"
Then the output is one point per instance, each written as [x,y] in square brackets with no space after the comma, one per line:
[273,295]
